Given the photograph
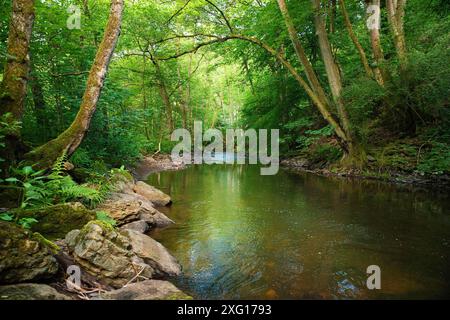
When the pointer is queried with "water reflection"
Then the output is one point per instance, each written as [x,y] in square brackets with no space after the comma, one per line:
[243,235]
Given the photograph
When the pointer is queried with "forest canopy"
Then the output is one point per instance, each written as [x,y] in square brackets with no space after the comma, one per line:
[342,94]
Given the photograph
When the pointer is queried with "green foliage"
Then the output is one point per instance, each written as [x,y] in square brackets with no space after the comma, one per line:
[81,158]
[6,216]
[39,189]
[436,160]
[24,222]
[105,217]
[325,153]
[228,84]
[8,126]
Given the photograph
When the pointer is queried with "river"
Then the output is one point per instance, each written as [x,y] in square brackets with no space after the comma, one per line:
[240,235]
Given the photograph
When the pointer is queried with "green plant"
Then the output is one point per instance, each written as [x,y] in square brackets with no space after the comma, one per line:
[8,126]
[6,216]
[26,223]
[81,158]
[39,189]
[436,160]
[105,217]
[325,153]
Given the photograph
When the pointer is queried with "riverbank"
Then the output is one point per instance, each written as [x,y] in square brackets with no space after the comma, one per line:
[73,252]
[433,181]
[156,163]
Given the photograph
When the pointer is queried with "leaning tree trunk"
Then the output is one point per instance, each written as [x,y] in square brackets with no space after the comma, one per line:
[68,141]
[358,46]
[342,131]
[300,51]
[331,67]
[13,88]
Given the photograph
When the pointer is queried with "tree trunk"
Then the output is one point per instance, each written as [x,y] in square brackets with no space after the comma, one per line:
[396,13]
[299,50]
[13,89]
[164,94]
[14,86]
[332,69]
[358,46]
[332,14]
[68,141]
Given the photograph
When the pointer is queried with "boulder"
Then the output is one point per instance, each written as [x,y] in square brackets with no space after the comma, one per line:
[55,221]
[24,256]
[123,209]
[122,181]
[106,254]
[153,253]
[158,219]
[147,290]
[30,291]
[126,208]
[157,197]
[139,226]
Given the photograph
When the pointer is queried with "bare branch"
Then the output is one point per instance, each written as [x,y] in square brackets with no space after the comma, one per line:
[75,73]
[222,14]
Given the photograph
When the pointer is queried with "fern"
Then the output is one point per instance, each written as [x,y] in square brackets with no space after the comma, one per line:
[58,168]
[40,190]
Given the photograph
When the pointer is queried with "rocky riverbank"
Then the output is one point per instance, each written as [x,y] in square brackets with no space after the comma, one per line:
[155,163]
[299,164]
[90,258]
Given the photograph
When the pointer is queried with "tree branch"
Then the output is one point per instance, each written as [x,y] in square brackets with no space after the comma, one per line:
[178,11]
[223,15]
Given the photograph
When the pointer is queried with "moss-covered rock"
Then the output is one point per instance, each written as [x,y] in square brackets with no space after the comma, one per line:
[106,254]
[30,291]
[23,256]
[56,221]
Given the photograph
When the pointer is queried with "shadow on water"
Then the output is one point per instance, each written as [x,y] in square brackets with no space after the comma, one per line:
[289,236]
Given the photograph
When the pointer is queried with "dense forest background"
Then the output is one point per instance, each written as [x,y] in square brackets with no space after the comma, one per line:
[341,95]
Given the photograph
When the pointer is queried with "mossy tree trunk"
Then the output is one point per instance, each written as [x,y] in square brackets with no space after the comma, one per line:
[13,88]
[15,77]
[68,141]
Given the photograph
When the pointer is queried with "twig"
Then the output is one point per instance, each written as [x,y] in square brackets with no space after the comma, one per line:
[178,11]
[135,277]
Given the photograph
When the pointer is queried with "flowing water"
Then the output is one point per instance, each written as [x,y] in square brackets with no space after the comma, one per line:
[240,235]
